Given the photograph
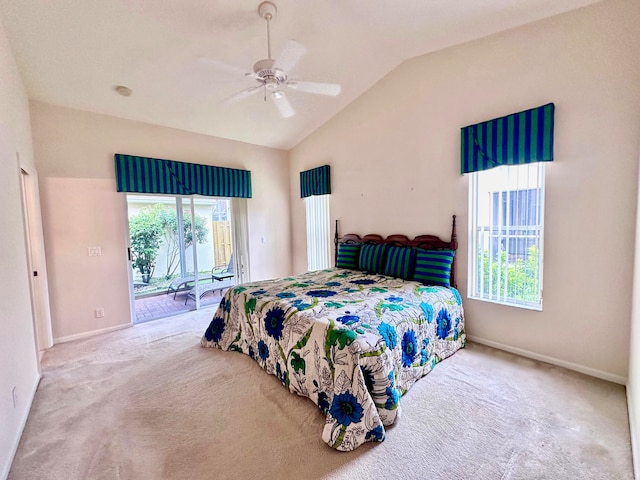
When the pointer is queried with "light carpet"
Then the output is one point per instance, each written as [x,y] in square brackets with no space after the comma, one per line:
[150,403]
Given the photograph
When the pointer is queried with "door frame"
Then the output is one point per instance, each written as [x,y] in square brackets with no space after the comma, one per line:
[127,240]
[36,257]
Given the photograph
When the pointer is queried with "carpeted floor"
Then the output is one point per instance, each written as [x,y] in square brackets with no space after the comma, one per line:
[150,403]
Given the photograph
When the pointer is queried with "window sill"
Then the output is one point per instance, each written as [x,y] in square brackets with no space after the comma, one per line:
[536,308]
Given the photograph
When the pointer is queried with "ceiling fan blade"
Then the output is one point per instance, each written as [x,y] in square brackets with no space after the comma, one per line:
[224,68]
[240,95]
[331,89]
[284,106]
[290,56]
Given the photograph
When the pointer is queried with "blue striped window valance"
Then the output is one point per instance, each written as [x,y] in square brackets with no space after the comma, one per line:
[515,139]
[316,181]
[153,175]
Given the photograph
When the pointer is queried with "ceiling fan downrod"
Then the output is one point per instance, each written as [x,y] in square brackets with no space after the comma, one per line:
[271,78]
[268,10]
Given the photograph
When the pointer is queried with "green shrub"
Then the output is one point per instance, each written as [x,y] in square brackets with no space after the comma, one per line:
[146,234]
[518,279]
[155,225]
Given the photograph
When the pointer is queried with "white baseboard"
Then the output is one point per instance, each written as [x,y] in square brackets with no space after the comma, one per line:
[552,360]
[635,448]
[23,423]
[78,336]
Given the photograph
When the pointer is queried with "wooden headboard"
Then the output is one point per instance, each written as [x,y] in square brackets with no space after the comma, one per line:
[428,242]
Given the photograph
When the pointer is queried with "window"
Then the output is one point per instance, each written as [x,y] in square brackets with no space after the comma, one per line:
[318,236]
[506,206]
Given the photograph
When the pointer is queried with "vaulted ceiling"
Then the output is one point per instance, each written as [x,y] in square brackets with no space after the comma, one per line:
[169,53]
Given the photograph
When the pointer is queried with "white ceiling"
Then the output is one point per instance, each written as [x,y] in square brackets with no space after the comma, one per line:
[73,52]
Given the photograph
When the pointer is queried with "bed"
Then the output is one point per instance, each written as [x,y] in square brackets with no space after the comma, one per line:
[352,341]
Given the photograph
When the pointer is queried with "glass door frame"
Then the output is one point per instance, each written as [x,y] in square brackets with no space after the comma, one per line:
[180,205]
[196,272]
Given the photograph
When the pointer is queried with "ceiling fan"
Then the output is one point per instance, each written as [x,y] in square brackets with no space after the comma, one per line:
[272,75]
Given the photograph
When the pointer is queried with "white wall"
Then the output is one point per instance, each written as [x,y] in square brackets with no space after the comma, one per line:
[18,358]
[74,153]
[395,151]
[633,382]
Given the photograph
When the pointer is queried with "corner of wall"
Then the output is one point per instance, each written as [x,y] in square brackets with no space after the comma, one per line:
[635,448]
[19,357]
[4,473]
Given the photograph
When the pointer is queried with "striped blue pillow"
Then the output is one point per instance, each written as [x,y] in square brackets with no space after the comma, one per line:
[348,255]
[400,262]
[433,267]
[371,257]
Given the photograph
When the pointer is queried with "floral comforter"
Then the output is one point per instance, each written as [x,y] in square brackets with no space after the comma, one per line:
[352,342]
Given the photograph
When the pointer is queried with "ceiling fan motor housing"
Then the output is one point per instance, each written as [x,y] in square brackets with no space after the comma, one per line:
[265,73]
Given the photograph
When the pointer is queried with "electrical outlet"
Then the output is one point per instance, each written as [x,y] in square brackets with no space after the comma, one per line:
[94,251]
[14,397]
[99,312]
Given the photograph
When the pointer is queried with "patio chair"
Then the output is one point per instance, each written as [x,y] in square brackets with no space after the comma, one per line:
[182,283]
[220,280]
[226,273]
[210,287]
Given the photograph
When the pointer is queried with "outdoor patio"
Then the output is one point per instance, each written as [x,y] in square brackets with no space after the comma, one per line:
[163,305]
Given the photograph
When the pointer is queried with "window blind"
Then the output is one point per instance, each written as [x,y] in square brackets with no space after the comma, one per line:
[507,231]
[318,235]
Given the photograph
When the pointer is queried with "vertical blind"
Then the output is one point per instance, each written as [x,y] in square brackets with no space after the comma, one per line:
[316,181]
[240,229]
[516,139]
[318,235]
[153,175]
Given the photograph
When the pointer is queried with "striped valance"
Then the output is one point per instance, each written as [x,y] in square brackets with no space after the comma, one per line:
[515,139]
[316,181]
[152,175]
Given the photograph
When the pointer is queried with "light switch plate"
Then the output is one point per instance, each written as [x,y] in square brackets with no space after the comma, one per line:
[94,251]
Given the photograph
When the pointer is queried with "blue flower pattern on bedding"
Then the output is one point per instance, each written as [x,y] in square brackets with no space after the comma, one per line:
[409,348]
[286,295]
[352,342]
[444,323]
[216,328]
[274,322]
[263,350]
[388,334]
[346,409]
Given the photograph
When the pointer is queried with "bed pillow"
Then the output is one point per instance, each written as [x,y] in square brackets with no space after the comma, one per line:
[371,257]
[433,267]
[348,255]
[400,262]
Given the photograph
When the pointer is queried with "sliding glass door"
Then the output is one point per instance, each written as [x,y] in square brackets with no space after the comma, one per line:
[182,253]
